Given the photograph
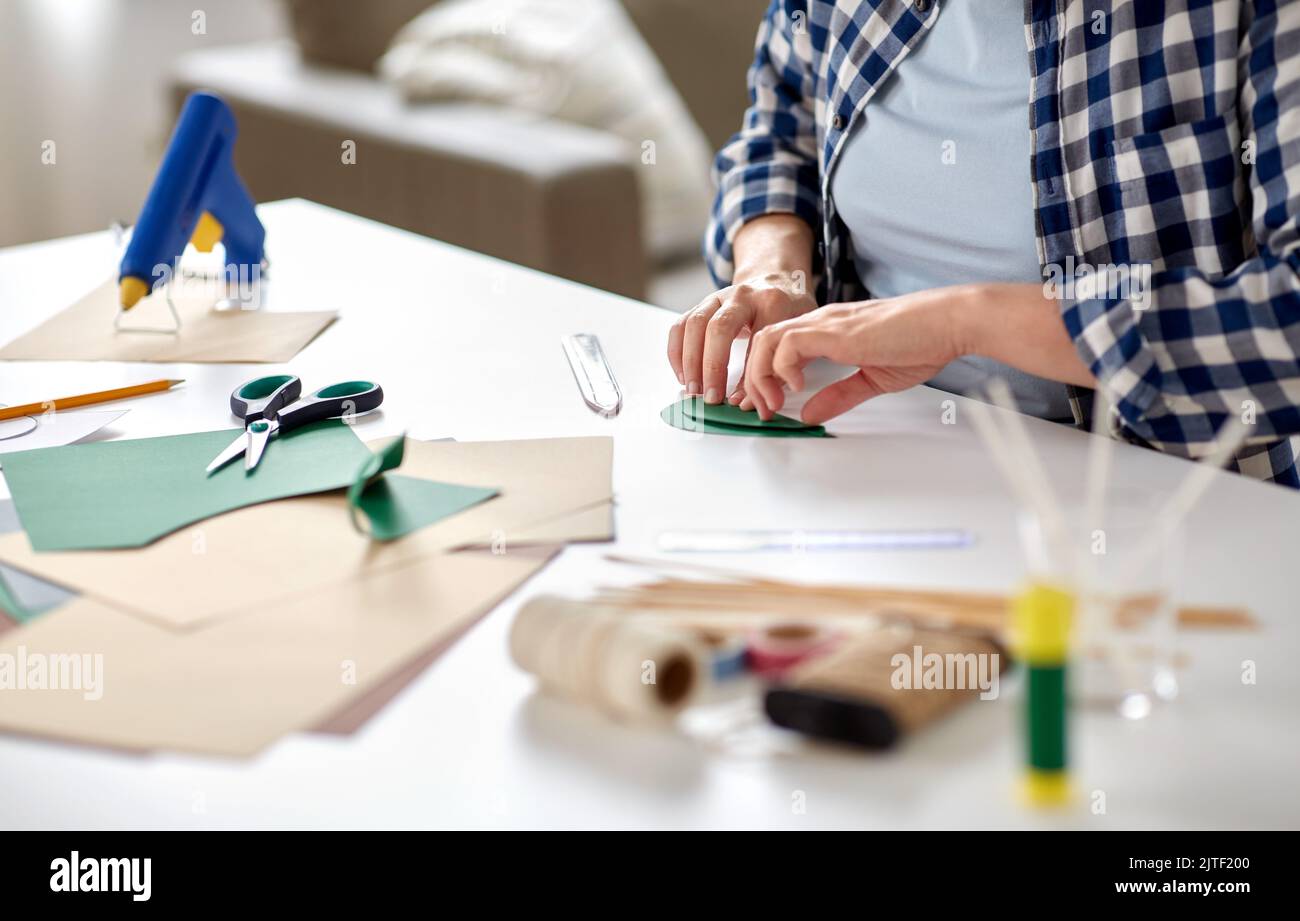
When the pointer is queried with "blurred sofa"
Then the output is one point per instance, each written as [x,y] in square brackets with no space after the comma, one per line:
[551,195]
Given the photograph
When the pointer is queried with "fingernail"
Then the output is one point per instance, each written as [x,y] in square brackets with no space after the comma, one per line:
[692,388]
[712,396]
[735,399]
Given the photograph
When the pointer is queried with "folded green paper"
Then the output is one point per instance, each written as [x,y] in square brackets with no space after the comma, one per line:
[387,505]
[692,414]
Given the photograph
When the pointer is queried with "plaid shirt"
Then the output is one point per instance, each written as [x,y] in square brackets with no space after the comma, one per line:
[1164,134]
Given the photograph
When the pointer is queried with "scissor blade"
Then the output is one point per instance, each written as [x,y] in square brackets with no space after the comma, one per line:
[236,448]
[258,435]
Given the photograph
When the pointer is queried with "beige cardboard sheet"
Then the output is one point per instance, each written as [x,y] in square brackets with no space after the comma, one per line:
[354,714]
[84,331]
[237,685]
[259,555]
[595,523]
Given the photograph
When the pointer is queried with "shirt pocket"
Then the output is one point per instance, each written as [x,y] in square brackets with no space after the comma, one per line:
[1182,197]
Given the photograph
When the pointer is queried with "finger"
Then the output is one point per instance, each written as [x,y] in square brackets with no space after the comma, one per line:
[839,397]
[738,395]
[797,348]
[676,333]
[697,322]
[720,333]
[747,403]
[759,381]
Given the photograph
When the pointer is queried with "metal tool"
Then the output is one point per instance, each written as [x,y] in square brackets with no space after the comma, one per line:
[274,404]
[592,372]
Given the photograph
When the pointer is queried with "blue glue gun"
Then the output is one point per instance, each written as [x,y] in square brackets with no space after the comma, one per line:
[196,197]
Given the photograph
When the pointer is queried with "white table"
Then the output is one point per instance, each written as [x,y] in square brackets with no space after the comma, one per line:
[467,346]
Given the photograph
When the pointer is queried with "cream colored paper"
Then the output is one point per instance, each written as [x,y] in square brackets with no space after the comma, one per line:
[266,553]
[236,686]
[588,524]
[84,331]
[354,714]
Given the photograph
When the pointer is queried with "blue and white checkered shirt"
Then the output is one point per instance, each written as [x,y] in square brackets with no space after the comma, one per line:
[1165,134]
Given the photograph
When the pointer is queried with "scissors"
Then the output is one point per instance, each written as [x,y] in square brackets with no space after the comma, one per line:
[274,404]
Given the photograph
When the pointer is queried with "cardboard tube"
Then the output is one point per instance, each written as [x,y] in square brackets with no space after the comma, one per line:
[598,656]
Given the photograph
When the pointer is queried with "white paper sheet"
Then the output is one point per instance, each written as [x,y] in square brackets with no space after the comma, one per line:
[53,429]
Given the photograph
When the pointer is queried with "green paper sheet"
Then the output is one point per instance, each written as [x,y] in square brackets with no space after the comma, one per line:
[395,505]
[114,494]
[692,414]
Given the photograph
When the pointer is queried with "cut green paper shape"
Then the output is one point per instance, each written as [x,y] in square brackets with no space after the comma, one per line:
[389,457]
[726,414]
[692,414]
[388,506]
[128,493]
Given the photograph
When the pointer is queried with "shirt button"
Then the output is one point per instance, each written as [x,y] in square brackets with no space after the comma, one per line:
[838,122]
[922,5]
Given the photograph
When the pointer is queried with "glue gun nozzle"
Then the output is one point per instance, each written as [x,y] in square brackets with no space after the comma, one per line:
[131,290]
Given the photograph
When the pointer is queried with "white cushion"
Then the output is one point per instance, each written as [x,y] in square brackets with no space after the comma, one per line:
[580,61]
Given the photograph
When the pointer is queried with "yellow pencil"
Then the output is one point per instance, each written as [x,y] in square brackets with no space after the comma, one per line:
[85,399]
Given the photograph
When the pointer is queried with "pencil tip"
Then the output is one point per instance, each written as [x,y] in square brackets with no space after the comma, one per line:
[174,383]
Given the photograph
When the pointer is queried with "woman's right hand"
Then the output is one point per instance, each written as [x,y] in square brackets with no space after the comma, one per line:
[699,343]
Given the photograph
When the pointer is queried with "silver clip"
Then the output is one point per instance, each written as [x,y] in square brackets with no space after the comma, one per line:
[593,375]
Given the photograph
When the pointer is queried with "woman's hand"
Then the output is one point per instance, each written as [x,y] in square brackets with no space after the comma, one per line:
[896,344]
[903,341]
[772,282]
[699,343]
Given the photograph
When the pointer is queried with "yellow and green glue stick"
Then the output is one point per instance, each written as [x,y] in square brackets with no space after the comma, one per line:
[1042,616]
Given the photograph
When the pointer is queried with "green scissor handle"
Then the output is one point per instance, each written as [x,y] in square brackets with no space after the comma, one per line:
[263,397]
[347,399]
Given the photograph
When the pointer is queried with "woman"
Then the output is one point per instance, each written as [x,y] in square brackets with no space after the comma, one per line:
[891,148]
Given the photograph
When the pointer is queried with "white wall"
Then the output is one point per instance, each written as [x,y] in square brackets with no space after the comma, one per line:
[91,76]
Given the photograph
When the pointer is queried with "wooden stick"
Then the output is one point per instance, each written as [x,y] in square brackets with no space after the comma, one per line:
[954,607]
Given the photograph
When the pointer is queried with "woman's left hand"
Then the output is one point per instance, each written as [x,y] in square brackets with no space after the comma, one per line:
[895,343]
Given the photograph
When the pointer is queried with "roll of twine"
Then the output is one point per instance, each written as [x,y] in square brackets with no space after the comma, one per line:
[596,655]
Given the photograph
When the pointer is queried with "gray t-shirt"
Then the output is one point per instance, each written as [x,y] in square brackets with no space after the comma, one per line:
[934,182]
